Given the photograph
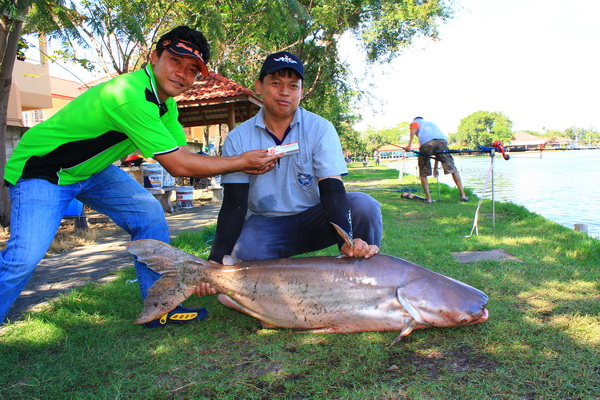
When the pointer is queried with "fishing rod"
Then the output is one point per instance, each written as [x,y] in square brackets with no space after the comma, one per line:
[497,146]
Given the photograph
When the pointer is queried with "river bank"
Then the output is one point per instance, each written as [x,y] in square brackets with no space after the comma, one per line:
[559,185]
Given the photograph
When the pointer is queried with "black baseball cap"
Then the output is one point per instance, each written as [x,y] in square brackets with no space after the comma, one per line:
[281,60]
[183,48]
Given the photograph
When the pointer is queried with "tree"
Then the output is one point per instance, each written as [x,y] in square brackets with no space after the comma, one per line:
[377,138]
[482,128]
[241,33]
[244,33]
[11,23]
[48,16]
[354,143]
[120,32]
[577,133]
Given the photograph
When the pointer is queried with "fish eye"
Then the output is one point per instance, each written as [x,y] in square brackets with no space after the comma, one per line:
[463,321]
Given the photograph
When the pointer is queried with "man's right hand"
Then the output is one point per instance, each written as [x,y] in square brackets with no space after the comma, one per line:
[360,249]
[259,161]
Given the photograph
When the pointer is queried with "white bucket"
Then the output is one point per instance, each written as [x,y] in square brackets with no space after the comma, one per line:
[168,179]
[185,196]
[152,175]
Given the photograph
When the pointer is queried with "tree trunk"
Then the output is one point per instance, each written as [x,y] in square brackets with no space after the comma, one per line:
[10,31]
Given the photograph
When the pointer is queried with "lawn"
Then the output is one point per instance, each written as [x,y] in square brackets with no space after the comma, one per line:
[542,339]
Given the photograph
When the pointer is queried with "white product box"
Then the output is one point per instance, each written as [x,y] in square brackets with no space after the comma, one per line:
[285,149]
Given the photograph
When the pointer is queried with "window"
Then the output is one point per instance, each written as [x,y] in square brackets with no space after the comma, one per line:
[38,116]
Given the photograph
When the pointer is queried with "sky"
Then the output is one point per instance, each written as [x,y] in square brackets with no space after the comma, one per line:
[536,61]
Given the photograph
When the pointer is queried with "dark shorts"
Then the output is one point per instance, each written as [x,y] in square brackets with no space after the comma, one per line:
[430,149]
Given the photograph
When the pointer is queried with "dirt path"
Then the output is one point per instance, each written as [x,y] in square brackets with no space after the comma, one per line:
[98,262]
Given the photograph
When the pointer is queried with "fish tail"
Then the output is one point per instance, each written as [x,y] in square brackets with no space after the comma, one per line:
[159,256]
[170,289]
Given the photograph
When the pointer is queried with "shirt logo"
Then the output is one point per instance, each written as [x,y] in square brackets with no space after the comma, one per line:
[286,59]
[305,180]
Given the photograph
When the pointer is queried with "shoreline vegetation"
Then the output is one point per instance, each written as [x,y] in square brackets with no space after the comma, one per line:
[470,153]
[549,192]
[542,339]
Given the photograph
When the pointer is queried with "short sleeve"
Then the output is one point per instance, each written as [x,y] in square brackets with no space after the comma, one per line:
[140,121]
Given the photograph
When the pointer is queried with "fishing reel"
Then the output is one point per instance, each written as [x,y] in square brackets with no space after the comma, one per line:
[500,147]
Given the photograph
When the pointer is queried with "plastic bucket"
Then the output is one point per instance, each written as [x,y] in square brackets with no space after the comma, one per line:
[185,196]
[152,175]
[168,179]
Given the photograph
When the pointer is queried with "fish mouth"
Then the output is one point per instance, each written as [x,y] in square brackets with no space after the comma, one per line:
[484,317]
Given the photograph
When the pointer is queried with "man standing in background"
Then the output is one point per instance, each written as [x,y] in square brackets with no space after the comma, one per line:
[432,140]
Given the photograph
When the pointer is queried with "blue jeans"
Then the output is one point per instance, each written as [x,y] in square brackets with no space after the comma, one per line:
[38,207]
[281,237]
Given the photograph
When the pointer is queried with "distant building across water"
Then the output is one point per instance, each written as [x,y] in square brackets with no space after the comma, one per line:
[522,141]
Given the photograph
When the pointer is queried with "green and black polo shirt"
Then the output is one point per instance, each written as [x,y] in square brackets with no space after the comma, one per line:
[97,128]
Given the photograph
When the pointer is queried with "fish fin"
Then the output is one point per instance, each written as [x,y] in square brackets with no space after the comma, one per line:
[332,329]
[164,296]
[159,256]
[409,308]
[408,328]
[230,303]
[170,289]
[347,238]
[230,260]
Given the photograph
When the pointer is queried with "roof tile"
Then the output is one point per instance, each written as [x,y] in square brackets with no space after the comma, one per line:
[214,86]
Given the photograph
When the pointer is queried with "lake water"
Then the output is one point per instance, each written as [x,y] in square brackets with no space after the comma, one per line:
[563,186]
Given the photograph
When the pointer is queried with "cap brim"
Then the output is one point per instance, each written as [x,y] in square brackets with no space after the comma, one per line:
[279,68]
[187,54]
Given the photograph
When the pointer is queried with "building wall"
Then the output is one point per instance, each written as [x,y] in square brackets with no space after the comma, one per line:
[216,136]
[62,92]
[30,89]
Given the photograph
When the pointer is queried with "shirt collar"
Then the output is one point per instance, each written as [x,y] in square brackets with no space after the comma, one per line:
[260,118]
[150,74]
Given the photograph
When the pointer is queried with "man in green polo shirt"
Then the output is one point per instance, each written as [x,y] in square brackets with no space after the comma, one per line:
[71,155]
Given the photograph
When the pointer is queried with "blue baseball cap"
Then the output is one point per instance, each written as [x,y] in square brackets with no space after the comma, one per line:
[281,60]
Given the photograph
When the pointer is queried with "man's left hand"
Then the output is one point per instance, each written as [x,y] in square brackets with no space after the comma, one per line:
[204,289]
[259,161]
[361,249]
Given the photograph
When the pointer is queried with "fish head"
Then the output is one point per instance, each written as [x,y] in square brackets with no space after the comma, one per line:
[443,302]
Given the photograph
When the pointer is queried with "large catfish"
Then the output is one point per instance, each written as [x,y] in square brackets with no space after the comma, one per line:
[323,294]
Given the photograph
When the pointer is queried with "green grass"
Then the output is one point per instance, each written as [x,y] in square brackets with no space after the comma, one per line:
[542,340]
